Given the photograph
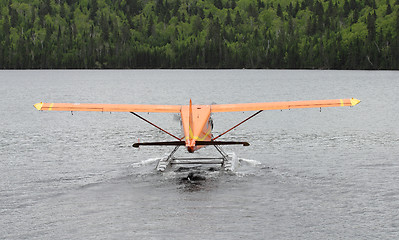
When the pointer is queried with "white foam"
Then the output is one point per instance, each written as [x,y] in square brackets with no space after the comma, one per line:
[250,161]
[145,162]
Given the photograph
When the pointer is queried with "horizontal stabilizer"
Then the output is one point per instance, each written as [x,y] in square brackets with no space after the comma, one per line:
[197,143]
[171,143]
[203,143]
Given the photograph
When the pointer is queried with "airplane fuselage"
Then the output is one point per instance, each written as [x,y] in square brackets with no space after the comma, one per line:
[197,125]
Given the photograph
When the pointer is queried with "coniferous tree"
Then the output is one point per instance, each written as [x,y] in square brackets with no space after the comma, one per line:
[93,9]
[389,8]
[228,18]
[371,27]
[218,4]
[279,11]
[234,4]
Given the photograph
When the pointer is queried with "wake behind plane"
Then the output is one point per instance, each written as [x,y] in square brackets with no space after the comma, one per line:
[197,124]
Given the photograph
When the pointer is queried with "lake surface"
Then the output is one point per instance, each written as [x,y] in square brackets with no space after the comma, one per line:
[308,174]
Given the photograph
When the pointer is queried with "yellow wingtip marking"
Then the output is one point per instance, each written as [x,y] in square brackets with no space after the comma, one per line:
[342,102]
[38,106]
[355,101]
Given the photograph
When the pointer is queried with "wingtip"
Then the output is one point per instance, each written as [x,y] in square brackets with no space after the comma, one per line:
[38,106]
[355,101]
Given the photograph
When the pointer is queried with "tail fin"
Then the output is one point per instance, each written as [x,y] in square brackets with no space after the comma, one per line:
[190,122]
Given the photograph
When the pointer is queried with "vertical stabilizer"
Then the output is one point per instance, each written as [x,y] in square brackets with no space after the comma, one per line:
[190,121]
[190,142]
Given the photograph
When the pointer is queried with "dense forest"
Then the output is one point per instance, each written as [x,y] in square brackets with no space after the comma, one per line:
[321,34]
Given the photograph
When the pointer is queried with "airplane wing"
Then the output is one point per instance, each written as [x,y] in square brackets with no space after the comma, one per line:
[107,107]
[176,108]
[283,105]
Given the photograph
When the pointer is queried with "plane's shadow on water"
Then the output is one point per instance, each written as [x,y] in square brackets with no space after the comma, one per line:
[200,178]
[195,179]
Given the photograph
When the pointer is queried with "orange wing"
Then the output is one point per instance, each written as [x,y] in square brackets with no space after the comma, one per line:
[107,107]
[283,105]
[176,108]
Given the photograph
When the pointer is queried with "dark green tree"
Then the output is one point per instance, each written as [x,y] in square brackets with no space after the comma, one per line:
[228,20]
[238,20]
[389,8]
[371,28]
[279,11]
[93,9]
[218,4]
[233,4]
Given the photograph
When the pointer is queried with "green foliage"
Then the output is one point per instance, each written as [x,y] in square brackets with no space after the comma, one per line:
[324,34]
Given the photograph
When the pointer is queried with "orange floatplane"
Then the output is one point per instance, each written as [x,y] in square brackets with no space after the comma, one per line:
[196,122]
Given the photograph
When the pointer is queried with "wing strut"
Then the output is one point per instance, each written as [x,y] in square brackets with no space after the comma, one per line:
[135,114]
[253,115]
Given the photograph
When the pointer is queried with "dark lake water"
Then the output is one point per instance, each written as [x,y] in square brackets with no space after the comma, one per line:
[308,174]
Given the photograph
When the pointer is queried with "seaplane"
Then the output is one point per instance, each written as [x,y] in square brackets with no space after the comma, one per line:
[197,124]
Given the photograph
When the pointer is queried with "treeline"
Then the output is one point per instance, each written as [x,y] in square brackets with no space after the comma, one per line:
[322,34]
